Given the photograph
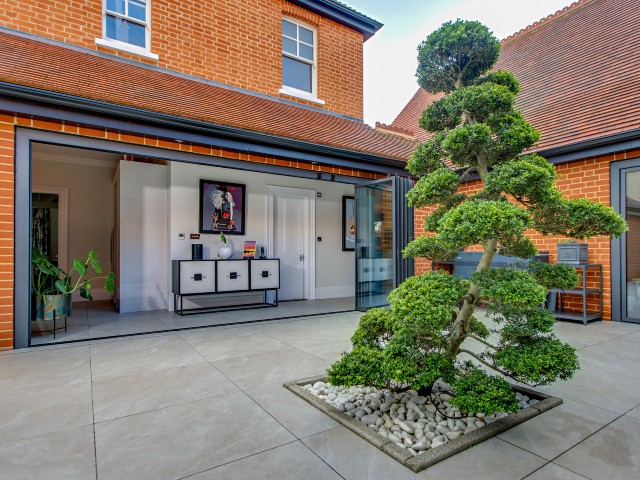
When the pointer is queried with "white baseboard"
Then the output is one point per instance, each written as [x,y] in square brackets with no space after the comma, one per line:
[335,292]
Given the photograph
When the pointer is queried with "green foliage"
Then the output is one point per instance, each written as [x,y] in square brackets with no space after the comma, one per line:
[477,130]
[554,275]
[361,366]
[476,222]
[512,134]
[223,239]
[457,53]
[428,157]
[501,77]
[577,218]
[520,323]
[48,279]
[517,245]
[529,179]
[375,328]
[541,360]
[435,188]
[478,392]
[463,144]
[483,101]
[430,247]
[508,286]
[442,114]
[424,304]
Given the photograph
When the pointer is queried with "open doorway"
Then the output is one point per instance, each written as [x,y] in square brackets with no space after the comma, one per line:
[140,212]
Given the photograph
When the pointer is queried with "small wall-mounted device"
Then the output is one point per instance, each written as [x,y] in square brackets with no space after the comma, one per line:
[319,194]
[319,239]
[194,236]
[181,236]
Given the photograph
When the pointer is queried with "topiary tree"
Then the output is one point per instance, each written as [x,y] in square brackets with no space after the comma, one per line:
[475,130]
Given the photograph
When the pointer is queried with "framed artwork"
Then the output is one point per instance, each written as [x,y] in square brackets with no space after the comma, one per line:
[348,224]
[222,207]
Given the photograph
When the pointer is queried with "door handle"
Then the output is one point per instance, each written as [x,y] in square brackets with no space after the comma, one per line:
[301,257]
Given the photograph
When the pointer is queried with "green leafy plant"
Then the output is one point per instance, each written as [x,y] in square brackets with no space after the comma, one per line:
[223,239]
[424,335]
[48,279]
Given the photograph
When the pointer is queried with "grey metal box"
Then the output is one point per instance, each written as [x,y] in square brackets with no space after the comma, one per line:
[573,253]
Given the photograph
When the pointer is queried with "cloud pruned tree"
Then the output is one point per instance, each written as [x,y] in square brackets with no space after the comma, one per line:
[476,130]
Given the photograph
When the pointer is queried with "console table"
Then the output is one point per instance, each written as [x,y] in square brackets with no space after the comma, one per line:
[210,277]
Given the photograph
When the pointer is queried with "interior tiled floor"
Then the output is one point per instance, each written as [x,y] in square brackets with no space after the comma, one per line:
[209,404]
[99,319]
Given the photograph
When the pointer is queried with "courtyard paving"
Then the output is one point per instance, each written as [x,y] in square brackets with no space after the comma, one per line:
[209,404]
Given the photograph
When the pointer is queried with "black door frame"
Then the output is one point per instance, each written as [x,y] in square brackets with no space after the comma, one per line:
[618,172]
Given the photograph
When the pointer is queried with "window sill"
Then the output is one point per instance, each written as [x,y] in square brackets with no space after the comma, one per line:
[292,92]
[125,47]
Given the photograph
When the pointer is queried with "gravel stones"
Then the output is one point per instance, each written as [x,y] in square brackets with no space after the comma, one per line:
[407,419]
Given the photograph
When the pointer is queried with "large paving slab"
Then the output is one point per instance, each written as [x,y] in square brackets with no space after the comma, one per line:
[182,440]
[611,453]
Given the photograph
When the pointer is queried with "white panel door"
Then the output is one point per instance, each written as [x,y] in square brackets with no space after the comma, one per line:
[289,233]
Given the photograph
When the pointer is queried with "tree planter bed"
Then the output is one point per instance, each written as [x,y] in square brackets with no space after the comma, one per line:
[429,456]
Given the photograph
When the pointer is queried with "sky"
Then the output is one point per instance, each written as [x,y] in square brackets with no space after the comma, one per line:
[390,55]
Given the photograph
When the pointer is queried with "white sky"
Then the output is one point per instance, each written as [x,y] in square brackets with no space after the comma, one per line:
[390,56]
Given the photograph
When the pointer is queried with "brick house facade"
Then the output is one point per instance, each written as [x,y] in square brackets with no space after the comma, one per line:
[202,83]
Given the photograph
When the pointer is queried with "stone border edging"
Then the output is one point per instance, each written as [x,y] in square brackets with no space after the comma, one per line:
[417,463]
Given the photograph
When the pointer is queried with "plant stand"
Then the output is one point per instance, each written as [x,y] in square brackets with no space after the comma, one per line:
[55,329]
[585,316]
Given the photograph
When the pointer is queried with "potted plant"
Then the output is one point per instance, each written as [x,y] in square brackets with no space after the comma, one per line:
[225,251]
[52,287]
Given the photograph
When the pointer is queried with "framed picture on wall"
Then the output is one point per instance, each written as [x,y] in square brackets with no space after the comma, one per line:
[348,223]
[222,207]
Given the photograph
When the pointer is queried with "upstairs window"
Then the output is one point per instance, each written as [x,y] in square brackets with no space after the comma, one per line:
[127,21]
[298,58]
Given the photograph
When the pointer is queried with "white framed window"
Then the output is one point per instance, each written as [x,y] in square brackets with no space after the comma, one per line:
[126,26]
[299,45]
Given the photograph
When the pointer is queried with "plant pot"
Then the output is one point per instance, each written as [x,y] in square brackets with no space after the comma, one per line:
[573,253]
[46,305]
[225,252]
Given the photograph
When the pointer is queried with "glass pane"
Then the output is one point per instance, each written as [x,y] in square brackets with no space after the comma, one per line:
[116,6]
[306,52]
[289,29]
[374,245]
[137,10]
[296,74]
[289,46]
[306,35]
[125,31]
[633,244]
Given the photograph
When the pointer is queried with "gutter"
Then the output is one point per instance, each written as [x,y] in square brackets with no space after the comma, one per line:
[210,129]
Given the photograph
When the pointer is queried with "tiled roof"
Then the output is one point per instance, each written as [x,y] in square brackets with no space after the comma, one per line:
[408,118]
[579,72]
[47,66]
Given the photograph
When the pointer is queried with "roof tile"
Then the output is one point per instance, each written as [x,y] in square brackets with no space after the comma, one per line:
[47,66]
[578,73]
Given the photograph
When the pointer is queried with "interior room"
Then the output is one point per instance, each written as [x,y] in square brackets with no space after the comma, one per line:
[156,224]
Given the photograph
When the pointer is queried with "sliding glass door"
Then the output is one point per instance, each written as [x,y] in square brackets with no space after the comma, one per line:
[384,225]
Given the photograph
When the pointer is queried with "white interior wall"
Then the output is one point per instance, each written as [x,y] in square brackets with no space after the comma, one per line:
[143,237]
[335,269]
[90,208]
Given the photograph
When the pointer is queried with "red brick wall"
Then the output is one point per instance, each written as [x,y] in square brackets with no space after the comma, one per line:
[236,43]
[588,178]
[8,124]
